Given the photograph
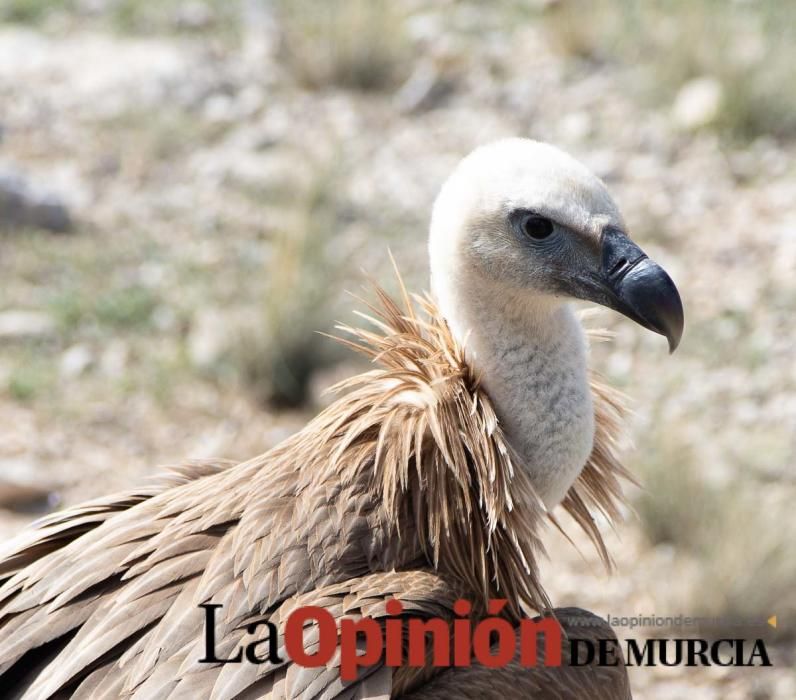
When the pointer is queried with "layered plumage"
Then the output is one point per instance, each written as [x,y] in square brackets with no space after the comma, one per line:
[404,487]
[428,480]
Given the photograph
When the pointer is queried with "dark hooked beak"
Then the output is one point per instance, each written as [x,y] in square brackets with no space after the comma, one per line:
[640,288]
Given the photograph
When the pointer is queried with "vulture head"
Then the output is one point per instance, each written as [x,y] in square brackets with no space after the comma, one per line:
[523,222]
[519,229]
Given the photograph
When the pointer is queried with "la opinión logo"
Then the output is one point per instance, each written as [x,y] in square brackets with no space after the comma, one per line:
[492,642]
[397,641]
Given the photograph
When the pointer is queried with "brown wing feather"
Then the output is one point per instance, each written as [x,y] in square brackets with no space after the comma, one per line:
[409,469]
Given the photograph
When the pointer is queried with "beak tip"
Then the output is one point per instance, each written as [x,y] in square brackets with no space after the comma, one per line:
[652,300]
[677,322]
[675,333]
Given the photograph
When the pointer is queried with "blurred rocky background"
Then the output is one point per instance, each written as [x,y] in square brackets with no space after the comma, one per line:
[188,187]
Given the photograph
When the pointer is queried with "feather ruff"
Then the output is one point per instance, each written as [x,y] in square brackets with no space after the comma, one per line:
[404,487]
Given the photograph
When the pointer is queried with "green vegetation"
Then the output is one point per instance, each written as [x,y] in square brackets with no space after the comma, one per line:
[125,308]
[744,551]
[302,297]
[118,308]
[220,18]
[747,47]
[33,377]
[162,16]
[30,11]
[676,501]
[357,44]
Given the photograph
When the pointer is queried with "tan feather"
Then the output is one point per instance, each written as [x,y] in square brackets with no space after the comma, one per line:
[405,486]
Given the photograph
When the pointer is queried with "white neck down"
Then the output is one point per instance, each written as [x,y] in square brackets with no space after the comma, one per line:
[532,359]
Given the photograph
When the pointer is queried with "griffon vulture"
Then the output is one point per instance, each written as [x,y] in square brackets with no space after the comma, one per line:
[426,481]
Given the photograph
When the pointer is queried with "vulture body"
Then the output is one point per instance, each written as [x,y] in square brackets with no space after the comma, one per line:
[417,484]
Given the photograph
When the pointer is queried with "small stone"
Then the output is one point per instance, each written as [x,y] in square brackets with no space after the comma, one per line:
[698,103]
[164,318]
[115,358]
[423,90]
[250,101]
[22,204]
[209,338]
[219,109]
[27,498]
[75,361]
[19,324]
[193,16]
[576,126]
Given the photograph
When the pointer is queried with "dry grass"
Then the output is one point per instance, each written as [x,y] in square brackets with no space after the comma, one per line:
[31,378]
[740,553]
[277,361]
[748,567]
[676,502]
[356,44]
[221,18]
[747,46]
[28,11]
[146,17]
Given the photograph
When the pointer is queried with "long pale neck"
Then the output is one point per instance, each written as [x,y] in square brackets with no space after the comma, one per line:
[533,364]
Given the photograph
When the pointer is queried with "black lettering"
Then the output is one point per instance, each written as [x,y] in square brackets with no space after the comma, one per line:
[573,652]
[637,657]
[663,647]
[273,644]
[715,656]
[759,649]
[701,652]
[607,648]
[210,638]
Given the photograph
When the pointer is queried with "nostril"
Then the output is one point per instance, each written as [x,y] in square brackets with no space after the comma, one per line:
[618,255]
[617,266]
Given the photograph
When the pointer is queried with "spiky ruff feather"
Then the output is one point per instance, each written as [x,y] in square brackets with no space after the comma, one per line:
[407,472]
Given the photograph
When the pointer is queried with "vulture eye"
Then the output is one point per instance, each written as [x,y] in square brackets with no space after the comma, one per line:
[537,227]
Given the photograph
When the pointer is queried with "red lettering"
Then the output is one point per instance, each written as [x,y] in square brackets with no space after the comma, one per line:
[294,636]
[506,641]
[551,630]
[393,635]
[373,645]
[440,631]
[462,633]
